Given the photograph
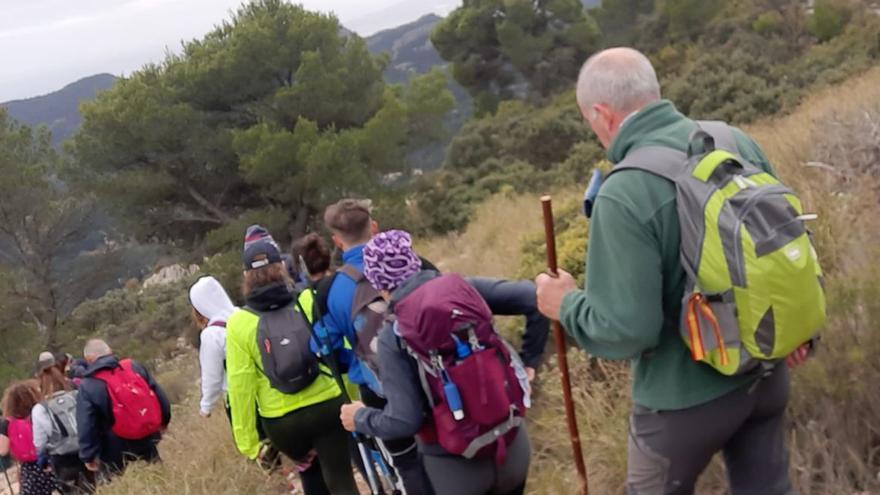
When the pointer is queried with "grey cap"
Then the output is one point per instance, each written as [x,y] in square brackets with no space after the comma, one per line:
[46,360]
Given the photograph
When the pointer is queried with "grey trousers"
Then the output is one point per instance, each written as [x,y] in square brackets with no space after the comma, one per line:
[669,449]
[452,475]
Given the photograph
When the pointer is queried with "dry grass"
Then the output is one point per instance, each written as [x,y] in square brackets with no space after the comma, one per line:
[198,454]
[491,246]
[835,408]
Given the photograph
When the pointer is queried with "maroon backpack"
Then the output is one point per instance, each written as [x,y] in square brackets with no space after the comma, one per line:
[475,383]
[136,410]
[21,439]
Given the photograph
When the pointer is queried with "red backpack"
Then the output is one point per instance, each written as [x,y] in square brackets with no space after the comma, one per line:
[21,440]
[475,383]
[136,410]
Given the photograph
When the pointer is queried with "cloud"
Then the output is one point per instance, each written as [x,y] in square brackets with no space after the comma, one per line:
[59,41]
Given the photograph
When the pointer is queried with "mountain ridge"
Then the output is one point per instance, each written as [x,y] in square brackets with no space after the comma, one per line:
[59,110]
[408,45]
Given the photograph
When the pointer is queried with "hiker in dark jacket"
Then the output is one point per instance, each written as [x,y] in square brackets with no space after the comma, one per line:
[684,411]
[405,412]
[99,447]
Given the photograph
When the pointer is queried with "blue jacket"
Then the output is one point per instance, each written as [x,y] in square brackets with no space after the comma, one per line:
[94,417]
[337,326]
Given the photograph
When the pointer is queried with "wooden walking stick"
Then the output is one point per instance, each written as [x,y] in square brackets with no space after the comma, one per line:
[559,336]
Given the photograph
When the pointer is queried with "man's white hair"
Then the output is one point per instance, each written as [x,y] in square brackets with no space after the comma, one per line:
[622,78]
[96,348]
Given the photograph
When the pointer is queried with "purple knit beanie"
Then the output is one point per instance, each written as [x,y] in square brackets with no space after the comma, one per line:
[389,260]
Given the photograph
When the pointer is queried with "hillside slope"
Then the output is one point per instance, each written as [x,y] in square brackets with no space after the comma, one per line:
[831,452]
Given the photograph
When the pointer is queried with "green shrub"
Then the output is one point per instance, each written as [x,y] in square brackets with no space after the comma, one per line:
[770,22]
[829,18]
[231,235]
[226,267]
[571,244]
[143,325]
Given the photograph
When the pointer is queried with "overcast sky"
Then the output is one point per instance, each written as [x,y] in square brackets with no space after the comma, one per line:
[46,44]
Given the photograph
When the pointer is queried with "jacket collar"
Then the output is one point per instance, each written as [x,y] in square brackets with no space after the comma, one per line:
[354,255]
[270,297]
[102,363]
[637,126]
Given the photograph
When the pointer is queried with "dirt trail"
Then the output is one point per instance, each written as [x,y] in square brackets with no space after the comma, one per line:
[12,474]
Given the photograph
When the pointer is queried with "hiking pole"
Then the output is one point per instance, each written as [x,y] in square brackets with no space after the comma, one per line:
[327,350]
[559,337]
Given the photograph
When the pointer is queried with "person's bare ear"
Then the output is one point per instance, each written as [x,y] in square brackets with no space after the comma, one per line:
[604,113]
[374,227]
[337,241]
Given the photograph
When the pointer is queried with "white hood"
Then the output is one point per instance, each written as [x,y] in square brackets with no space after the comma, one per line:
[210,299]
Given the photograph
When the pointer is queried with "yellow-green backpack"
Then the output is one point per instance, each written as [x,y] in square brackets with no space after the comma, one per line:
[754,285]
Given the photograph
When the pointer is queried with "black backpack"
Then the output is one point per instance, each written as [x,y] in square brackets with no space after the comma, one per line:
[283,337]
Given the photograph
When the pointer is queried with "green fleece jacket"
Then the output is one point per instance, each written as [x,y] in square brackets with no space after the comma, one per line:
[631,306]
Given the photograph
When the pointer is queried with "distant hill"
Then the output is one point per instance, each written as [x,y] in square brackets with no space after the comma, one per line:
[411,53]
[59,110]
[410,48]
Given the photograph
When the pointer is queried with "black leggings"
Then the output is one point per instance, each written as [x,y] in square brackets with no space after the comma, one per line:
[72,475]
[316,427]
[313,481]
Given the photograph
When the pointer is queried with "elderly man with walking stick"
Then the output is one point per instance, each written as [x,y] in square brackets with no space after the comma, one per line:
[688,405]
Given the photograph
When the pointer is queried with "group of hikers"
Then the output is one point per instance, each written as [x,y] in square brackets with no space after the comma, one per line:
[78,421]
[387,366]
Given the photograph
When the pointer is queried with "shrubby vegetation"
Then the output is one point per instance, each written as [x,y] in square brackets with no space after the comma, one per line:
[501,49]
[272,111]
[521,147]
[733,61]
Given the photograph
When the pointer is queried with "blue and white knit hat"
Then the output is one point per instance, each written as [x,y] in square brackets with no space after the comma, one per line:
[260,249]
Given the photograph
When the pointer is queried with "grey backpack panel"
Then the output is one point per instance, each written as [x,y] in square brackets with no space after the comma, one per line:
[368,310]
[283,337]
[61,407]
[692,195]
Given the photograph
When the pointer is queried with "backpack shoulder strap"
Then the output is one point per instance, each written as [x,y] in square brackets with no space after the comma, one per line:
[322,294]
[661,161]
[722,133]
[351,272]
[126,364]
[57,424]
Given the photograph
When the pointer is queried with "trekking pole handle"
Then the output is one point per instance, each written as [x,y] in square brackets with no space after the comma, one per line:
[550,235]
[561,356]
